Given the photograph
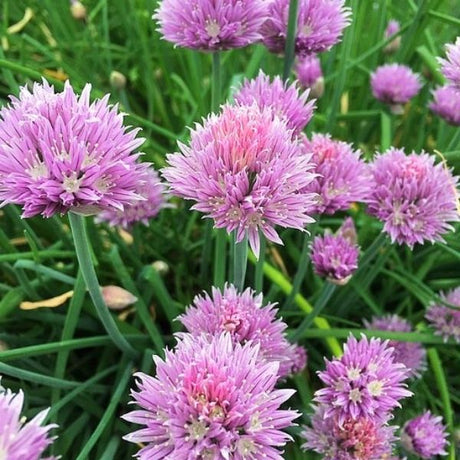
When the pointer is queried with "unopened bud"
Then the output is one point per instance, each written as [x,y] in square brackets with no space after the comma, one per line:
[78,10]
[117,80]
[117,298]
[161,267]
[3,346]
[317,90]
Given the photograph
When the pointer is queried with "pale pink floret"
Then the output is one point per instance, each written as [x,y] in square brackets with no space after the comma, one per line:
[245,318]
[365,382]
[286,101]
[446,104]
[245,171]
[211,25]
[320,24]
[19,439]
[211,399]
[414,197]
[392,28]
[451,66]
[60,153]
[444,319]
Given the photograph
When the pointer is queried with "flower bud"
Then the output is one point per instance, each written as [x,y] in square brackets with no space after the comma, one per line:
[117,298]
[78,10]
[117,80]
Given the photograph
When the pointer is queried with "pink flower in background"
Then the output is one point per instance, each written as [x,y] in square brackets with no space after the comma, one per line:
[414,197]
[60,153]
[152,200]
[451,66]
[360,439]
[342,176]
[211,399]
[393,27]
[445,320]
[286,101]
[425,436]
[411,354]
[320,25]
[395,84]
[365,382]
[20,439]
[211,25]
[309,73]
[446,104]
[246,172]
[335,257]
[245,318]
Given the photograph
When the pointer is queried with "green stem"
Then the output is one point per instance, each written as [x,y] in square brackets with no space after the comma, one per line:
[240,260]
[441,381]
[220,258]
[77,224]
[216,82]
[289,50]
[324,297]
[454,141]
[259,271]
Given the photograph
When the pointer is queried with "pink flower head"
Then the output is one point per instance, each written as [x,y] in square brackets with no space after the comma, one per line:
[211,25]
[445,320]
[284,100]
[152,200]
[310,75]
[342,176]
[425,436]
[335,257]
[360,439]
[451,65]
[365,381]
[411,354]
[446,104]
[245,318]
[211,399]
[21,440]
[394,84]
[393,27]
[245,171]
[59,153]
[414,197]
[320,24]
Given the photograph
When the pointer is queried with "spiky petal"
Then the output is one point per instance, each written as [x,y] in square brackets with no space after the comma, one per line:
[211,399]
[414,197]
[446,104]
[310,75]
[451,66]
[246,172]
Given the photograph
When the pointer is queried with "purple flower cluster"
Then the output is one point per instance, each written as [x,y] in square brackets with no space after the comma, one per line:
[425,436]
[282,99]
[60,153]
[245,171]
[451,65]
[342,176]
[411,354]
[209,25]
[446,104]
[414,197]
[445,320]
[335,257]
[310,75]
[211,399]
[21,440]
[320,24]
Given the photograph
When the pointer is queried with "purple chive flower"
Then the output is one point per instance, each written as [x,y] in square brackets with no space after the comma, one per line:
[59,153]
[335,257]
[211,399]
[320,24]
[209,25]
[411,354]
[284,100]
[21,440]
[393,27]
[451,66]
[446,104]
[425,436]
[342,176]
[245,318]
[245,171]
[152,200]
[365,381]
[395,84]
[445,320]
[414,197]
[309,73]
[355,439]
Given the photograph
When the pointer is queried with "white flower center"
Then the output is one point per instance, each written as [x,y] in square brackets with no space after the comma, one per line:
[375,387]
[354,373]
[355,395]
[71,184]
[246,447]
[37,171]
[212,28]
[197,429]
